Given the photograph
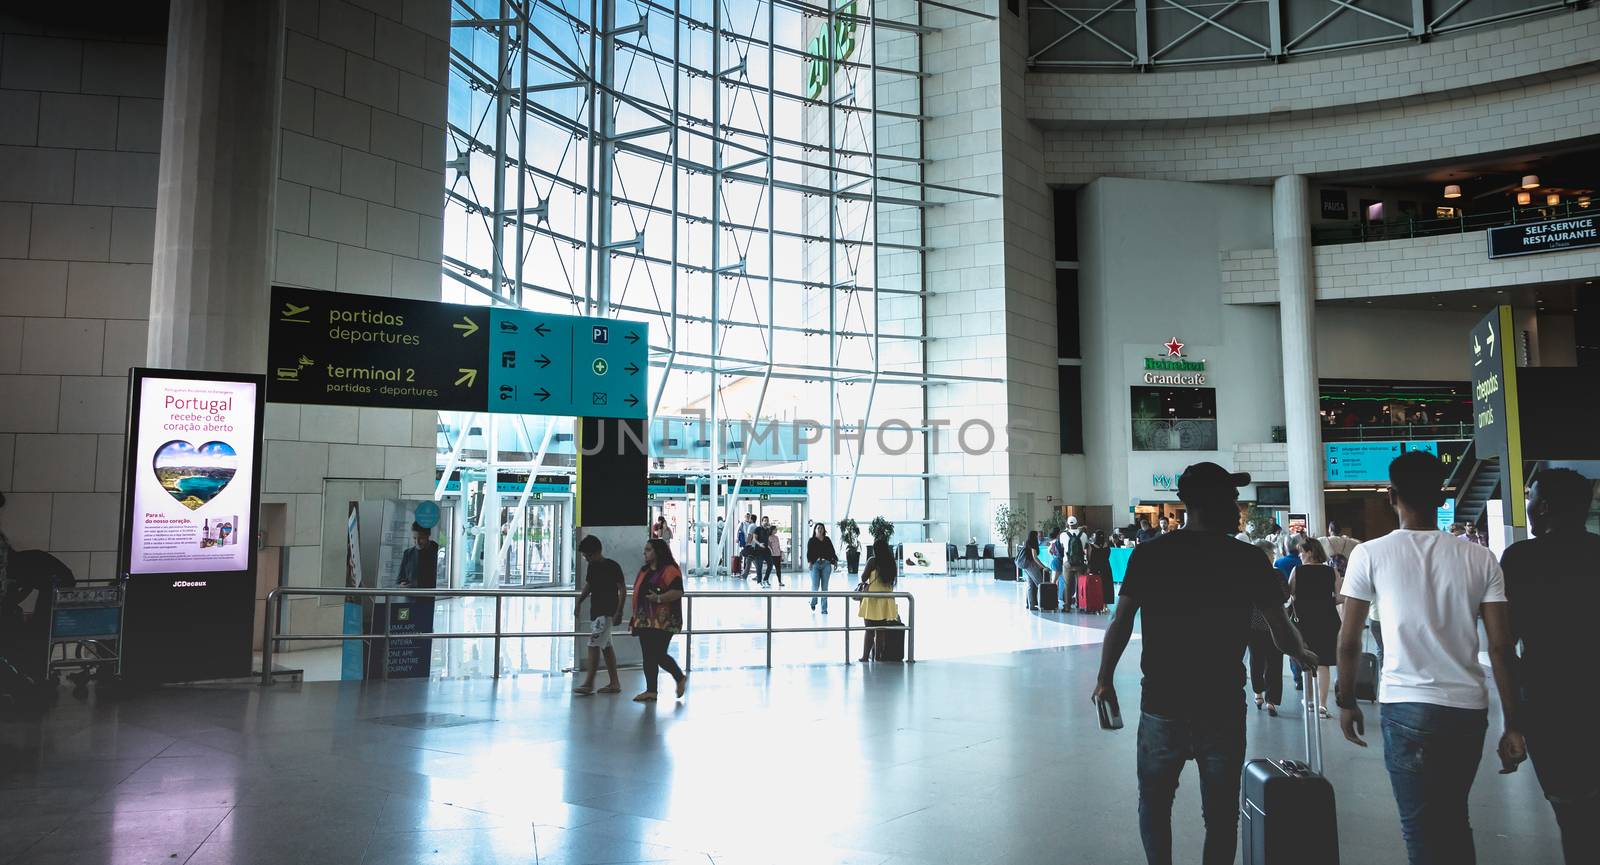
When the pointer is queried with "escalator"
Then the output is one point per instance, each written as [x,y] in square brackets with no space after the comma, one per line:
[1477,482]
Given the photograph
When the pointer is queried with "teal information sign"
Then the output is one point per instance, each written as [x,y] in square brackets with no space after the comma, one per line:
[541,363]
[1368,462]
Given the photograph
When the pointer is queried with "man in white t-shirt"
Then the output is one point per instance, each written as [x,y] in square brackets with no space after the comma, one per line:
[1435,704]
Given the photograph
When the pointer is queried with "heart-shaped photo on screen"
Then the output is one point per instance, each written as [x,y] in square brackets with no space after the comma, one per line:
[194,475]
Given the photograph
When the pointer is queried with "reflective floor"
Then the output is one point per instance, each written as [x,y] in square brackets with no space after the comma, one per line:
[988,756]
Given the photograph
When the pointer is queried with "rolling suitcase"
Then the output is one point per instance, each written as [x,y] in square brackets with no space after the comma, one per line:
[1367,677]
[1090,599]
[1286,810]
[890,643]
[1049,596]
[1367,672]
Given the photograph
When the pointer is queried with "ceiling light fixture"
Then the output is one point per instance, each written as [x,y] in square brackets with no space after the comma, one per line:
[1530,181]
[1552,199]
[1524,198]
[1452,191]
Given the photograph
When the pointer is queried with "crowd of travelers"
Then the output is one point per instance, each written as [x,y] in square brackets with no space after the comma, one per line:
[1207,593]
[1204,596]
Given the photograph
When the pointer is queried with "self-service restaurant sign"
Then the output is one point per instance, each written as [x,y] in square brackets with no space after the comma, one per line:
[1578,232]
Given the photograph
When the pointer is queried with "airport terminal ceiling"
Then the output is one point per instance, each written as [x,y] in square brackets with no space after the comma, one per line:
[746,178]
[1124,34]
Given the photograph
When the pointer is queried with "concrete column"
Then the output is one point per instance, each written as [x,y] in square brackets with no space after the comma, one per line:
[213,241]
[1297,317]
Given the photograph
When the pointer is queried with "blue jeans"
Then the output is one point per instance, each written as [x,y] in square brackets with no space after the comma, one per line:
[1432,753]
[1215,741]
[820,572]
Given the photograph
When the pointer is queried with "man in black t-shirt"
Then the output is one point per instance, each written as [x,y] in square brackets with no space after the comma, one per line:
[1553,588]
[606,591]
[1196,587]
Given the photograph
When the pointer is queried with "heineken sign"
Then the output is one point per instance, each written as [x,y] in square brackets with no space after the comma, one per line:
[1174,368]
[832,45]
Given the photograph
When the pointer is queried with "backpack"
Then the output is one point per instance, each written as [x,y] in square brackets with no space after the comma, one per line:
[1338,563]
[1075,556]
[1055,547]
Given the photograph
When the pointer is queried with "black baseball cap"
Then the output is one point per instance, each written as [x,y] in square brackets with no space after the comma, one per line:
[1203,479]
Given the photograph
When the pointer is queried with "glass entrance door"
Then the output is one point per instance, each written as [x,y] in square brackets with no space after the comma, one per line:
[536,551]
[788,515]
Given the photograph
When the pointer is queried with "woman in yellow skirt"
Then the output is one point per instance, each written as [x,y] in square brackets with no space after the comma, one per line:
[879,576]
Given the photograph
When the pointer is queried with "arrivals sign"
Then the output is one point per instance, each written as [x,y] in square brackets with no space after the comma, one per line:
[1578,232]
[332,348]
[193,466]
[1496,420]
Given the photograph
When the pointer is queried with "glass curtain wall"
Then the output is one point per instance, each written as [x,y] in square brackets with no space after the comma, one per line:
[743,176]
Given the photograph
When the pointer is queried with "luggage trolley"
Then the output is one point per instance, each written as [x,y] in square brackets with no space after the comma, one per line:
[85,635]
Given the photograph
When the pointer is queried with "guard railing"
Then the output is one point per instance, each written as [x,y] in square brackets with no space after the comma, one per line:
[270,638]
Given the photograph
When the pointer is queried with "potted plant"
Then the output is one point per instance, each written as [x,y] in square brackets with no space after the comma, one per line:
[881,530]
[1008,526]
[1052,525]
[850,534]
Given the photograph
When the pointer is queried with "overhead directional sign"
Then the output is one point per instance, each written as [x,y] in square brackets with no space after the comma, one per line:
[332,348]
[1496,414]
[567,364]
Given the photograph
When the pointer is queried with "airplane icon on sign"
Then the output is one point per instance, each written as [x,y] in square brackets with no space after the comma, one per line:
[292,312]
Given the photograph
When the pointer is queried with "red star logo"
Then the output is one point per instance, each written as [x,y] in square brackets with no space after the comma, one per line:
[1174,348]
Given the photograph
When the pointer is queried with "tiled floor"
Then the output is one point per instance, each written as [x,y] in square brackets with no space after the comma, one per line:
[988,756]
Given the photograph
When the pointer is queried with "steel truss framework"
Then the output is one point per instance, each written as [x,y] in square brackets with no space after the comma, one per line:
[1142,34]
[660,160]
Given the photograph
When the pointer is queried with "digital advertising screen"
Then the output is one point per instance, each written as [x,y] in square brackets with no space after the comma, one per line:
[193,467]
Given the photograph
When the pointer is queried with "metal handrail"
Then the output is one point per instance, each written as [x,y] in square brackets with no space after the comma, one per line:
[1410,227]
[274,608]
[1391,432]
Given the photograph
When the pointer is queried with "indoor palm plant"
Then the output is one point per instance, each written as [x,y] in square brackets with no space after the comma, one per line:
[850,534]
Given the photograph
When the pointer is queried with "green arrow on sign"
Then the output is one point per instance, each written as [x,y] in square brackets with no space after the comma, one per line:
[468,327]
[468,376]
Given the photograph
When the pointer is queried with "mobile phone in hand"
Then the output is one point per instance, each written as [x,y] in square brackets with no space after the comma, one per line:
[1110,715]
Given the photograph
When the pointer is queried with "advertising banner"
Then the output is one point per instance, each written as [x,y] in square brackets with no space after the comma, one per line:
[193,466]
[408,658]
[190,499]
[924,558]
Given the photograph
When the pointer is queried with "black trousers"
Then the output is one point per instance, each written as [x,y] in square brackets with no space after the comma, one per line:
[653,643]
[1567,760]
[1266,667]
